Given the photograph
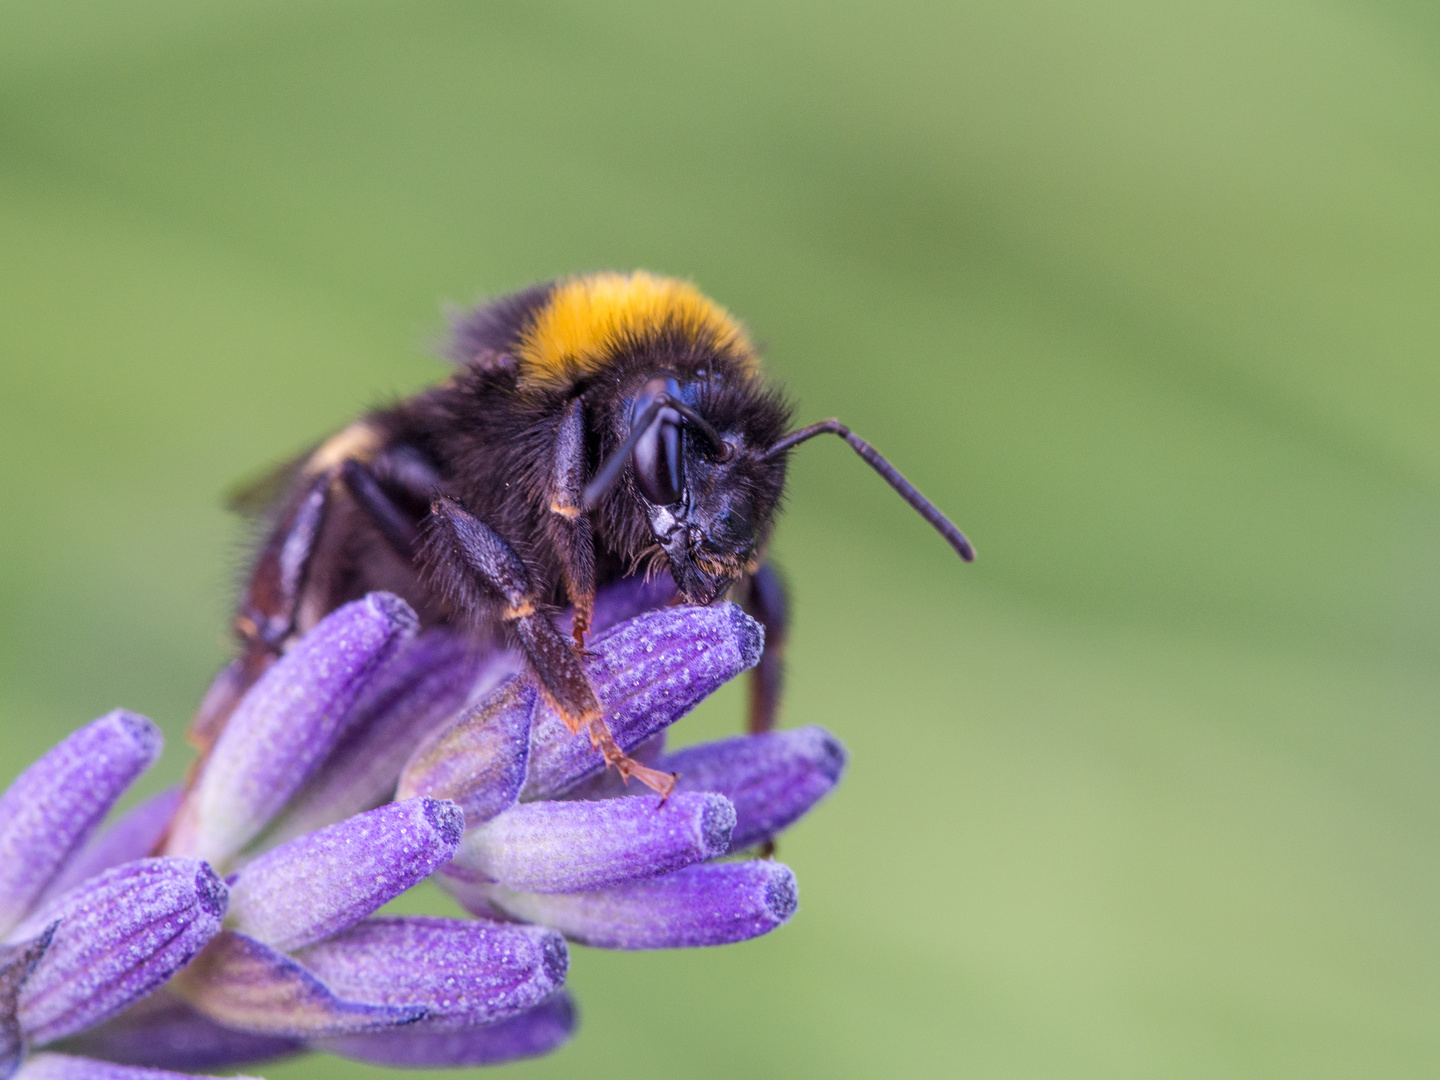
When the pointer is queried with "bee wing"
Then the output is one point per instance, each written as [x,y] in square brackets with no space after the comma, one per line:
[253,495]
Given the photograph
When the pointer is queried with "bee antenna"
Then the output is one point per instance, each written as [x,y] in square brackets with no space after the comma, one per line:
[923,506]
[610,471]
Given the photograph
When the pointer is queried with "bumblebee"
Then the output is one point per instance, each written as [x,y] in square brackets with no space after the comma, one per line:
[595,427]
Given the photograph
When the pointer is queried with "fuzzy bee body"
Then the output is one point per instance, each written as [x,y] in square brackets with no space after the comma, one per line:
[595,428]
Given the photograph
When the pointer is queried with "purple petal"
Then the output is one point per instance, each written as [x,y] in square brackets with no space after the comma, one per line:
[240,982]
[53,806]
[164,1032]
[66,1067]
[772,779]
[420,1046]
[649,672]
[462,973]
[578,846]
[120,935]
[134,835]
[319,884]
[479,760]
[711,904]
[287,725]
[425,686]
[16,964]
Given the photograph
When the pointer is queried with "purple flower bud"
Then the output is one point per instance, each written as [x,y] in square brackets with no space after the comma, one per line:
[479,760]
[649,672]
[243,983]
[710,904]
[134,835]
[163,1032]
[117,937]
[66,1067]
[579,846]
[420,1046]
[772,779]
[421,689]
[460,973]
[53,806]
[317,885]
[287,725]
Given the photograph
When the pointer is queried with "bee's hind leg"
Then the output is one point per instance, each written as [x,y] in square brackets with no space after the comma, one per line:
[765,598]
[469,563]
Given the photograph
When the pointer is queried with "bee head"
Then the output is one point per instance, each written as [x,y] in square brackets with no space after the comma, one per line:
[698,475]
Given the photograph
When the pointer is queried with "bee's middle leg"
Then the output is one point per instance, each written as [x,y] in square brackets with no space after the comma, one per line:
[268,609]
[469,562]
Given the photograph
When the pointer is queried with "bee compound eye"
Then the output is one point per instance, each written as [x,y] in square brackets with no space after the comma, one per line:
[657,456]
[658,462]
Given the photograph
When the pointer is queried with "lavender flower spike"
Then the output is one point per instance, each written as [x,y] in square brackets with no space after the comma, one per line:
[117,937]
[315,886]
[301,962]
[649,672]
[66,1067]
[773,779]
[287,724]
[713,904]
[53,806]
[579,846]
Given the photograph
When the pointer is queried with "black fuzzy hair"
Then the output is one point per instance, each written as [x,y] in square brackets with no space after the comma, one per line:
[494,327]
[494,444]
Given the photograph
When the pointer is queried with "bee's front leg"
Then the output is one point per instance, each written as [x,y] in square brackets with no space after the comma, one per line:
[568,524]
[467,563]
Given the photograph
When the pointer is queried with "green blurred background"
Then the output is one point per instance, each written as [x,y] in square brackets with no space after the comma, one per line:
[1144,295]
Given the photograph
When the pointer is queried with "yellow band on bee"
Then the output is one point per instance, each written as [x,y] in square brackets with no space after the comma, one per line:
[587,318]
